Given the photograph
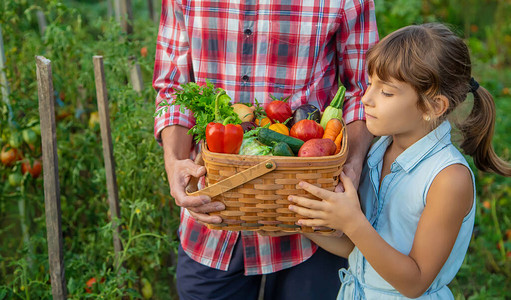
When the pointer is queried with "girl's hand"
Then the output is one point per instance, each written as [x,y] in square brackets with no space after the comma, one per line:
[336,210]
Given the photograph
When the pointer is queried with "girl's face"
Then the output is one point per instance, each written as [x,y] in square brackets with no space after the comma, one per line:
[391,109]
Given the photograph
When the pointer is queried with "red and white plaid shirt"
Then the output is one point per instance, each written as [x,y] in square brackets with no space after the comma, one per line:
[253,49]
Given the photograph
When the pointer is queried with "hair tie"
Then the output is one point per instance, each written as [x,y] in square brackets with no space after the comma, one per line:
[474,85]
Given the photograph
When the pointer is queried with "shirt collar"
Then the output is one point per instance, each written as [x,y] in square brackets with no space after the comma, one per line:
[432,142]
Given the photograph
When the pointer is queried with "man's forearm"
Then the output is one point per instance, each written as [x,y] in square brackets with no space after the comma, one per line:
[359,141]
[176,143]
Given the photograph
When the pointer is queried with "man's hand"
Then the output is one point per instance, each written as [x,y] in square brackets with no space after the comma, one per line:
[359,141]
[180,170]
[179,174]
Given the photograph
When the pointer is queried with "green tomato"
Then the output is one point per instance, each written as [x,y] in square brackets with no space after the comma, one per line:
[147,289]
[15,140]
[37,129]
[15,179]
[29,136]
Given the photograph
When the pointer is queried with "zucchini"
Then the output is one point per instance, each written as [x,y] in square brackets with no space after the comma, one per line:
[270,137]
[282,149]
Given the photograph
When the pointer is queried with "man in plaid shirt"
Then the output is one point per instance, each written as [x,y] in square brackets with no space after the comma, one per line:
[253,49]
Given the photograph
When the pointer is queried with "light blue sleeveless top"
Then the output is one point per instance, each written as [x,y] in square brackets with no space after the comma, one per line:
[394,210]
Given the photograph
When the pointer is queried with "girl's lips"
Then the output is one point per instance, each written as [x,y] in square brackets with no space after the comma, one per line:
[368,116]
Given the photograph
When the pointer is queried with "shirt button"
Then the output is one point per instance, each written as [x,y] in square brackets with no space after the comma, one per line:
[245,78]
[248,32]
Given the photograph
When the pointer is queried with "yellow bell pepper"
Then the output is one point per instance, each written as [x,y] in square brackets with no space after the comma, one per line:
[280,128]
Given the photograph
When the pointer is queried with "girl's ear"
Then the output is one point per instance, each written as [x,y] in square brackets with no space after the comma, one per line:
[439,106]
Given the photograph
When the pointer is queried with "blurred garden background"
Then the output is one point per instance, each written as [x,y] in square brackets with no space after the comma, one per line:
[77,30]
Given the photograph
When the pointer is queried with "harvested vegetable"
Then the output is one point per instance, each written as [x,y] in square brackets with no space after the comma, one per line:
[317,147]
[306,130]
[223,137]
[334,110]
[251,146]
[200,99]
[303,112]
[270,137]
[278,110]
[280,128]
[244,112]
[247,126]
[282,149]
[263,122]
[333,128]
[337,143]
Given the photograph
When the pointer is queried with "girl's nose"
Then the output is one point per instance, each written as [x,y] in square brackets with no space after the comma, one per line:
[367,98]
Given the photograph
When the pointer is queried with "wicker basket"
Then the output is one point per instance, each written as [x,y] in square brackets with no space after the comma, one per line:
[254,189]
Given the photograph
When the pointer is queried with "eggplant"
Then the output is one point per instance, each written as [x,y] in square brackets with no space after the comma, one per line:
[303,112]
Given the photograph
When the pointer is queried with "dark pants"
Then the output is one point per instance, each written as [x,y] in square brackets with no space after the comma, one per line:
[315,278]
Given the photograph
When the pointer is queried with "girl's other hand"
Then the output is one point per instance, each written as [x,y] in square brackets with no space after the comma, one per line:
[336,210]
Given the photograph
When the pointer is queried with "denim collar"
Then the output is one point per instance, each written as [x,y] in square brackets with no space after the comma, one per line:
[434,141]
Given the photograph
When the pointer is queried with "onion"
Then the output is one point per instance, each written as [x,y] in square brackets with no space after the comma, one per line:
[244,112]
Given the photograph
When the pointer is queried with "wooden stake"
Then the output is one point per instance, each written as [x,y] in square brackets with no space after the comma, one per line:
[127,10]
[124,15]
[136,76]
[4,84]
[117,9]
[150,8]
[106,138]
[41,20]
[51,177]
[109,8]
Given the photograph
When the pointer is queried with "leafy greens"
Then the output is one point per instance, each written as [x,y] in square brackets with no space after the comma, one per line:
[200,99]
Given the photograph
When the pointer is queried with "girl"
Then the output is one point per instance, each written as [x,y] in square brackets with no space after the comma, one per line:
[408,234]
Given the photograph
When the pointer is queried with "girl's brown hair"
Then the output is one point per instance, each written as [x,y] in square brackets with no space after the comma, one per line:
[434,61]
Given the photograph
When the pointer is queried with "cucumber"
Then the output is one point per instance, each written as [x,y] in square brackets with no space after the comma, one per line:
[282,149]
[269,137]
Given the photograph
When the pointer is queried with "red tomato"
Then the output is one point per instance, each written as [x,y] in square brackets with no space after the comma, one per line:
[278,111]
[143,51]
[34,169]
[9,155]
[306,130]
[89,284]
[487,204]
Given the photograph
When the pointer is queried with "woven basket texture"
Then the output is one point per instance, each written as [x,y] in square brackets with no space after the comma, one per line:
[261,203]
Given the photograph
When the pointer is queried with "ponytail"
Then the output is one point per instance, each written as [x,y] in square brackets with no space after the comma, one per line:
[477,131]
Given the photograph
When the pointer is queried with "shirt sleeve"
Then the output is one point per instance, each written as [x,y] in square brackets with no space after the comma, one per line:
[172,67]
[358,32]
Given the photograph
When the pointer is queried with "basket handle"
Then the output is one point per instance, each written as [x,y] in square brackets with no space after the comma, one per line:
[237,180]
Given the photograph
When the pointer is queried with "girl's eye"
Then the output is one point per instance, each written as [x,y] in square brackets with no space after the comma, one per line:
[386,94]
[368,84]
